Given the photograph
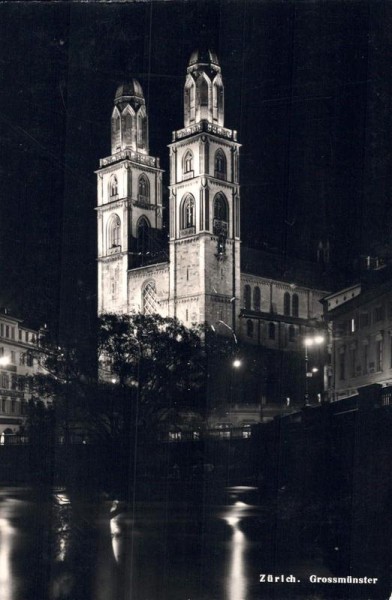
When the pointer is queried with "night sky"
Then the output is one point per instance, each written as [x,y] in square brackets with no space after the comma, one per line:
[308,87]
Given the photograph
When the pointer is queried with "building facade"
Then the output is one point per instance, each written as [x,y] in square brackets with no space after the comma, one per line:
[17,360]
[361,338]
[201,273]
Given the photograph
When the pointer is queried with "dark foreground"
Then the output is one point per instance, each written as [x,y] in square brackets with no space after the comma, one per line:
[197,542]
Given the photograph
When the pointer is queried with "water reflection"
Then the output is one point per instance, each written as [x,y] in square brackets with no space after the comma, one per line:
[237,577]
[7,534]
[58,546]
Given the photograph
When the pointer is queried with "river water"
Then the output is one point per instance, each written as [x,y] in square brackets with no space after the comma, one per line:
[56,545]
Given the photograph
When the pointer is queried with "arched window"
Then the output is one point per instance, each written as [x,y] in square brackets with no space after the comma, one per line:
[286,304]
[143,189]
[295,305]
[256,298]
[220,164]
[143,236]
[114,232]
[113,186]
[271,331]
[188,162]
[247,297]
[149,299]
[291,333]
[128,122]
[221,216]
[203,92]
[188,212]
[249,328]
[116,123]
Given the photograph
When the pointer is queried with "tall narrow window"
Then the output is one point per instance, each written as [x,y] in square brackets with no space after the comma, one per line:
[271,331]
[295,305]
[113,186]
[256,298]
[114,233]
[143,236]
[220,164]
[249,328]
[203,92]
[247,297]
[286,304]
[365,357]
[291,333]
[128,122]
[220,214]
[188,219]
[188,162]
[379,355]
[342,364]
[143,190]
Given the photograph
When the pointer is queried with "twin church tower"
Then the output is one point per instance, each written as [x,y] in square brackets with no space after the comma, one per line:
[198,278]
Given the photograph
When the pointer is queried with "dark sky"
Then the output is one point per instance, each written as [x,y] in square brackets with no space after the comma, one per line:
[307,85]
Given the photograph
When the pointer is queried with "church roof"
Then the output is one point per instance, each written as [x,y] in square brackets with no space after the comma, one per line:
[126,91]
[203,57]
[281,267]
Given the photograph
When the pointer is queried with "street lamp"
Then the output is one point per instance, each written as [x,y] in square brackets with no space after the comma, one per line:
[309,342]
[237,363]
[4,361]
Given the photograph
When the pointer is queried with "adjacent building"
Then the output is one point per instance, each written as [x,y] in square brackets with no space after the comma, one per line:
[360,323]
[17,360]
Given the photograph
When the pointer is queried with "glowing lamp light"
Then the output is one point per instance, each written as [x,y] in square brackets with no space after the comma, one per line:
[4,360]
[236,363]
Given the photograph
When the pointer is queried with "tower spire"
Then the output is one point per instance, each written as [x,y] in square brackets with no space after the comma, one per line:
[203,92]
[129,119]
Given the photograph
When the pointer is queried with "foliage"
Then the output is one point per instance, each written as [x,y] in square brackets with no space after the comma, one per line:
[153,375]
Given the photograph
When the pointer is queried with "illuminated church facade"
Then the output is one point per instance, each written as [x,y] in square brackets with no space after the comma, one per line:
[199,272]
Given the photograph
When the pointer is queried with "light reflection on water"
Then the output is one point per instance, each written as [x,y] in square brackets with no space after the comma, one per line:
[237,578]
[7,533]
[154,551]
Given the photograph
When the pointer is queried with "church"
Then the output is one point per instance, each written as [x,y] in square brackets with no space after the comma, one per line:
[199,272]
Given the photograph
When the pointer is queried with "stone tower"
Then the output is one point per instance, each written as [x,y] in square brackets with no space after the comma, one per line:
[204,203]
[129,200]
